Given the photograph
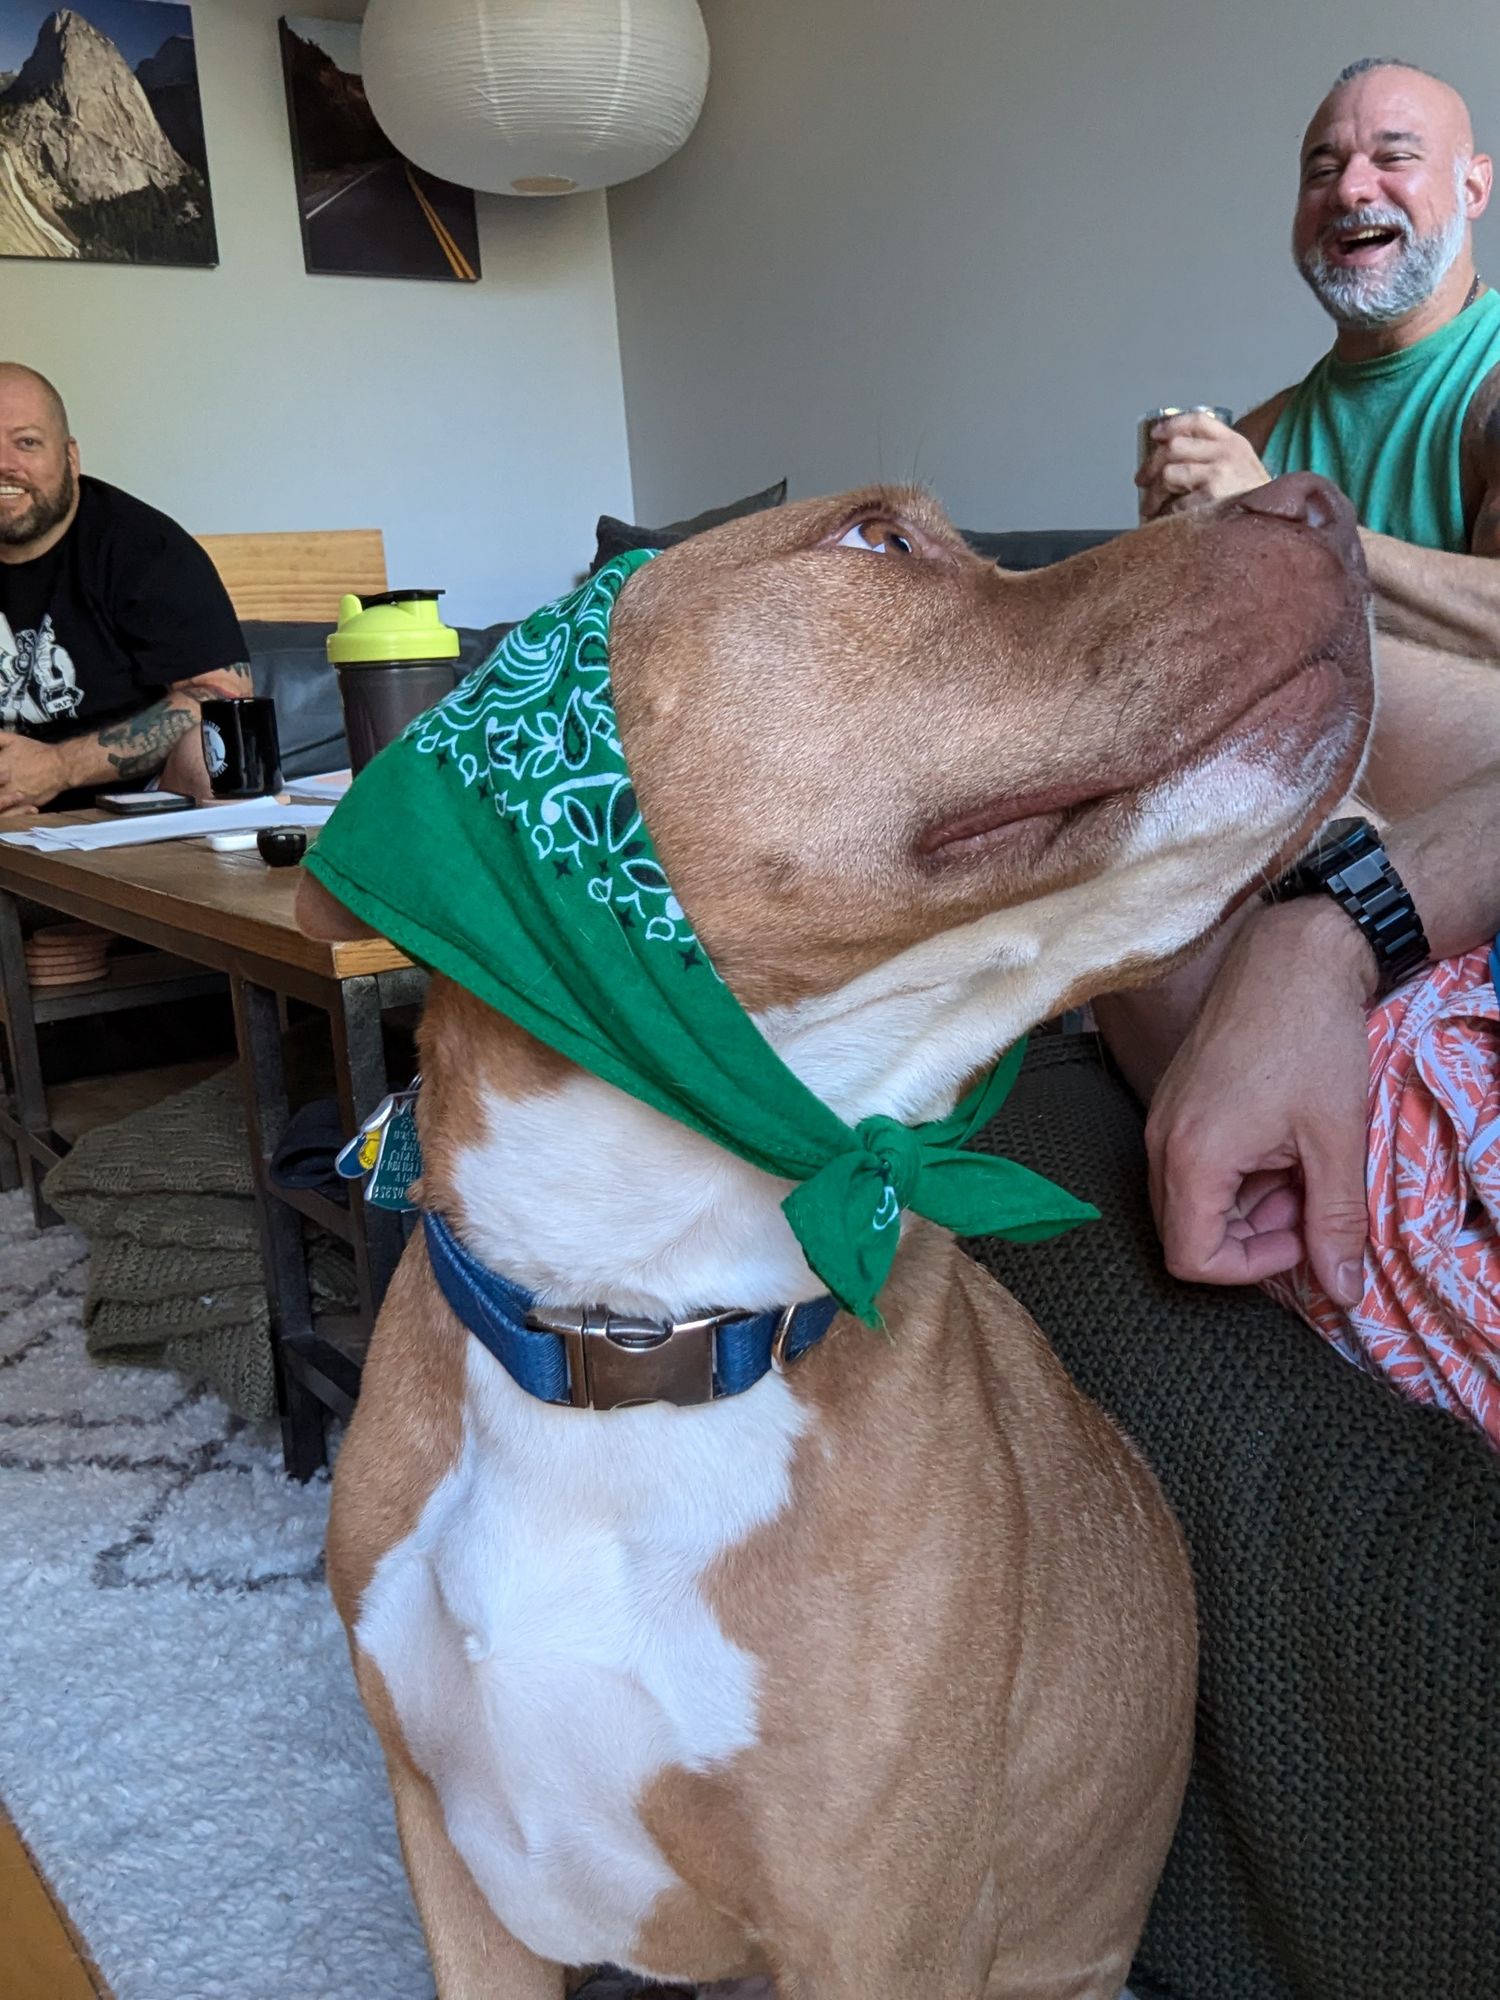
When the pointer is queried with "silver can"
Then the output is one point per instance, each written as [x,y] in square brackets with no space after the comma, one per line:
[1144,439]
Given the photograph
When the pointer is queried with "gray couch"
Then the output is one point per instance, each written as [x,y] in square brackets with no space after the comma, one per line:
[1341,1834]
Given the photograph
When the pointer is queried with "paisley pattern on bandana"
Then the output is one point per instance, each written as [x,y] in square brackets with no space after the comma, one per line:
[535,731]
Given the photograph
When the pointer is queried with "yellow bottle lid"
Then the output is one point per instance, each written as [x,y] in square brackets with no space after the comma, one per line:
[396,625]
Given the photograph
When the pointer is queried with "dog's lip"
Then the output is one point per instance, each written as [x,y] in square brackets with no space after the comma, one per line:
[998,822]
[966,829]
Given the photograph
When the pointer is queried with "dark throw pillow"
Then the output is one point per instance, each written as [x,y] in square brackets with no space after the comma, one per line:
[617,538]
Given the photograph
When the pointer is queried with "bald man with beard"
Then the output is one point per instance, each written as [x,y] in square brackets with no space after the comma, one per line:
[114,624]
[1253,1058]
[1341,1836]
[1402,411]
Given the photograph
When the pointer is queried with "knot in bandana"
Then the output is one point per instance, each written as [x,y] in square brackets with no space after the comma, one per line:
[500,842]
[898,1152]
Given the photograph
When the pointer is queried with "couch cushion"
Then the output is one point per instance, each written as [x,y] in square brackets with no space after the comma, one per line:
[477,642]
[617,538]
[1341,1834]
[1035,548]
[291,666]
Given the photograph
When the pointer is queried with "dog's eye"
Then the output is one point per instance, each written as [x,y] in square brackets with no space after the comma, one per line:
[878,538]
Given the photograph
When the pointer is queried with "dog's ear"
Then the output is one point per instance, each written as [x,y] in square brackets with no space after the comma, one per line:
[323,917]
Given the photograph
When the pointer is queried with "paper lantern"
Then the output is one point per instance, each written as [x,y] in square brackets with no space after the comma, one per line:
[535,97]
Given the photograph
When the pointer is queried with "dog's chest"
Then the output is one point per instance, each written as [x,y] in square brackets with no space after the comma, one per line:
[549,1647]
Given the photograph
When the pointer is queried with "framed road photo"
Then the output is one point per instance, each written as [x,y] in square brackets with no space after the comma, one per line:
[366,211]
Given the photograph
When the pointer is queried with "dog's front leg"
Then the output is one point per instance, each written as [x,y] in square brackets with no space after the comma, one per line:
[474,1957]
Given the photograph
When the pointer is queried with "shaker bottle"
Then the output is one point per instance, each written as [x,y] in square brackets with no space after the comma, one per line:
[394,657]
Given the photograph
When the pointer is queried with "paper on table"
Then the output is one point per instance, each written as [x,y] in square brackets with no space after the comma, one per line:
[89,839]
[327,785]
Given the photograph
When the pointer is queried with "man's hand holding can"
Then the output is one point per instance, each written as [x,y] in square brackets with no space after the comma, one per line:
[1191,458]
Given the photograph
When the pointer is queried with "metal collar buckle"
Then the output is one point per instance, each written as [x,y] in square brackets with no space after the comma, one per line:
[615,1360]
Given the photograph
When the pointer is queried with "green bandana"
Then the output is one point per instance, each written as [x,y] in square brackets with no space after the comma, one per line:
[500,842]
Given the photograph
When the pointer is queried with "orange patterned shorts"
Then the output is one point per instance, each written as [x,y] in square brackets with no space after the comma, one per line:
[1429,1321]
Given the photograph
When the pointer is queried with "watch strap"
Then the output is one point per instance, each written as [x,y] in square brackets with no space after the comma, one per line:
[1349,863]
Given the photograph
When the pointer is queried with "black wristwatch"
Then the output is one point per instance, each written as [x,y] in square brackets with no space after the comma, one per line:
[1348,862]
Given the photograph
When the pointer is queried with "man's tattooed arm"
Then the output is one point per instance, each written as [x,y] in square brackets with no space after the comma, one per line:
[142,743]
[185,770]
[163,737]
[232,681]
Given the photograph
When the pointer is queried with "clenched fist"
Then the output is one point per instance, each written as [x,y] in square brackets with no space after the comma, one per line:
[31,773]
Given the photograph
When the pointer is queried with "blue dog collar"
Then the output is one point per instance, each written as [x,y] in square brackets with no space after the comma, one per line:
[593,1359]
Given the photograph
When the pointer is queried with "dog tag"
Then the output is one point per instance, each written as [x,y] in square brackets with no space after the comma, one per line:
[355,1159]
[360,1154]
[399,1161]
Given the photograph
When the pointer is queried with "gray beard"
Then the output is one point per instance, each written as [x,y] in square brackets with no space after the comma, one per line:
[43,515]
[1366,299]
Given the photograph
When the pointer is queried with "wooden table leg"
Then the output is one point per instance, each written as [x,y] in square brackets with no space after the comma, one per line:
[359,1063]
[10,1152]
[263,1087]
[25,1066]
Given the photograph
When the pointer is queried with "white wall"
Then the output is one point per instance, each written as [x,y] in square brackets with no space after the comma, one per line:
[970,242]
[481,426]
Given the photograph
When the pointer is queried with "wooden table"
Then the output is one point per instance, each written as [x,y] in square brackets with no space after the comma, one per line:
[226,914]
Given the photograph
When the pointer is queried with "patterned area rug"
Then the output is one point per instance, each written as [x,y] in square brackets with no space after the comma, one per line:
[181,1746]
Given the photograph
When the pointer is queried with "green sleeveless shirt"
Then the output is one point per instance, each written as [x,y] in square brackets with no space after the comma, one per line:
[1388,431]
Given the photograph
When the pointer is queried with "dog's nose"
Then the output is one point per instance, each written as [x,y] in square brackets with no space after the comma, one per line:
[1306,497]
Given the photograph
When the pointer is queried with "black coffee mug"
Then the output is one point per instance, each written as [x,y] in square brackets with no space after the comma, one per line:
[240,746]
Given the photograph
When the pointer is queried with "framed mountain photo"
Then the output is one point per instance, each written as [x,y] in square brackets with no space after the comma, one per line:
[102,158]
[366,211]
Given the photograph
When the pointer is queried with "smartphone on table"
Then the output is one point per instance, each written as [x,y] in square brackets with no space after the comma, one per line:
[130,803]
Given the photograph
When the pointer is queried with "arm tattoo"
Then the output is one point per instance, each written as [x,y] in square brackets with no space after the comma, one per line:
[223,682]
[1479,465]
[142,743]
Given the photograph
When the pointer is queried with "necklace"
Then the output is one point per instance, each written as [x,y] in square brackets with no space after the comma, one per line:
[1473,293]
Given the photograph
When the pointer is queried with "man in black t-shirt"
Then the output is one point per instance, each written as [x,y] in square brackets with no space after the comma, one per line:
[113,622]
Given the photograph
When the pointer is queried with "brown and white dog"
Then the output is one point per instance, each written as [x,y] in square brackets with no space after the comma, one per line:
[878,1678]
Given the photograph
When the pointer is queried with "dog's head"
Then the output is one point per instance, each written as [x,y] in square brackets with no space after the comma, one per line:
[885,777]
[911,805]
[850,735]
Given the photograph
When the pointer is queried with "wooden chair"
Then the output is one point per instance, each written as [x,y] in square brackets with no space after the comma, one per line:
[297,577]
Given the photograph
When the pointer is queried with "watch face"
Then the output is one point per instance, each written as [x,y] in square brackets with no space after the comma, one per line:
[1338,834]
